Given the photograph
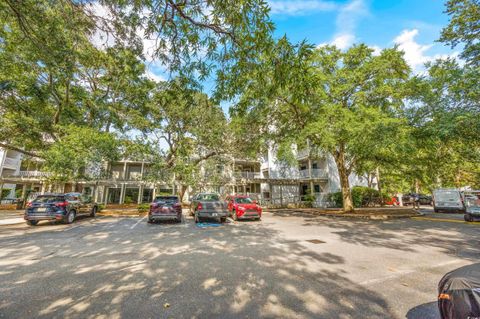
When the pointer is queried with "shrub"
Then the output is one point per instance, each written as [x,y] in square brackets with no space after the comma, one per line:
[101,207]
[336,199]
[309,199]
[5,193]
[142,208]
[362,196]
[128,200]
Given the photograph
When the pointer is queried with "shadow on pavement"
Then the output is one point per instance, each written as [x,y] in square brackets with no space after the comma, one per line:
[425,311]
[108,268]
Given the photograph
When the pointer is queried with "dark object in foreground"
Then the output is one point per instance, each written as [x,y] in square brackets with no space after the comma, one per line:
[459,293]
[59,207]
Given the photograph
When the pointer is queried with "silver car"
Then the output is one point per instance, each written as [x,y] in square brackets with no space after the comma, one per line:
[208,205]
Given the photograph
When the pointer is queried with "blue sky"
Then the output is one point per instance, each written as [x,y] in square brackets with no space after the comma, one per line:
[414,25]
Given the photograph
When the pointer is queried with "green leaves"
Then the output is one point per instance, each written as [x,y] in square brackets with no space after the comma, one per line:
[464,28]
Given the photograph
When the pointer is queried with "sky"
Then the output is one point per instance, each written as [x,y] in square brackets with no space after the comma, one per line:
[414,25]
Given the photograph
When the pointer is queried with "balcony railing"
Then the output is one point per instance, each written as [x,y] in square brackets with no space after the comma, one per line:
[248,175]
[302,174]
[11,163]
[31,174]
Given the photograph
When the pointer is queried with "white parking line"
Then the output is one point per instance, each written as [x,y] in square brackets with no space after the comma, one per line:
[134,225]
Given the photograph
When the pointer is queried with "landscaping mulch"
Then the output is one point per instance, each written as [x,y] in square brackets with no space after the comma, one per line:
[374,213]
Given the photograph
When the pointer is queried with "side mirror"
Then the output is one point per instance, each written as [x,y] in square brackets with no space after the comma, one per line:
[255,201]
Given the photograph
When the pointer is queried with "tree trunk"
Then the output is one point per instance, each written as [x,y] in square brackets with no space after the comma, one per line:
[379,186]
[344,183]
[183,189]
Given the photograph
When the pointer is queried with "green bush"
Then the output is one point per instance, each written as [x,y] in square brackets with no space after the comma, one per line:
[336,199]
[5,193]
[362,196]
[142,208]
[128,200]
[101,207]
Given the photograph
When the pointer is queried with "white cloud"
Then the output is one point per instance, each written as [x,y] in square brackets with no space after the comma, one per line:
[416,54]
[343,41]
[347,20]
[376,50]
[299,7]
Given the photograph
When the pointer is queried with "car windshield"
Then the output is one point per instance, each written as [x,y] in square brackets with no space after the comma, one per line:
[166,199]
[447,196]
[243,200]
[472,200]
[208,197]
[48,199]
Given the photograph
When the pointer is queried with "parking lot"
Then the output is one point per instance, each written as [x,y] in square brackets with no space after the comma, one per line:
[286,266]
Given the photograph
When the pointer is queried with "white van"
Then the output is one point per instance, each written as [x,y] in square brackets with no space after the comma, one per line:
[448,200]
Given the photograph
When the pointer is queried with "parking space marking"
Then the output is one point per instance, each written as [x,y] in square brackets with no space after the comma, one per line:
[134,225]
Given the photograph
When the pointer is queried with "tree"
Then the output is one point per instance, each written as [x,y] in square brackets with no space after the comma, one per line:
[185,132]
[345,103]
[447,124]
[464,28]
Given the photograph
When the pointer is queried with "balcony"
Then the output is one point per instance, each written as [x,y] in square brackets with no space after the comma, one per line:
[11,163]
[248,175]
[30,174]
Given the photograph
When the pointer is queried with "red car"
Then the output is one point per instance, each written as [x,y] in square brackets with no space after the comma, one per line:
[165,208]
[243,207]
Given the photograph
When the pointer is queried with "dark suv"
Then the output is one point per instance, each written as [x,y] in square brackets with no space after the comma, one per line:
[59,207]
[165,208]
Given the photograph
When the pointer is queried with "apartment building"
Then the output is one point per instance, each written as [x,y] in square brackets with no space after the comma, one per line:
[127,181]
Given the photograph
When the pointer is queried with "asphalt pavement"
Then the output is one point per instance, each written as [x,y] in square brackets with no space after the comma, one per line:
[286,266]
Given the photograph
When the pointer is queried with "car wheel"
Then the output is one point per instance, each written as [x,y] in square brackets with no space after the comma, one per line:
[93,213]
[150,221]
[259,218]
[234,215]
[223,219]
[468,218]
[70,217]
[32,222]
[436,210]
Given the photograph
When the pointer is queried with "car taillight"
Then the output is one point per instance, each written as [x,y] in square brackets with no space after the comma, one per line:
[199,206]
[61,204]
[29,204]
[153,205]
[177,205]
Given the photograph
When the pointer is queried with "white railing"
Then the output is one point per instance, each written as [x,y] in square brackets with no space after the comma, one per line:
[11,162]
[248,175]
[32,174]
[304,173]
[319,173]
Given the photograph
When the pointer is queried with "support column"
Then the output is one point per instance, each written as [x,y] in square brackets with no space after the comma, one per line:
[1,192]
[124,170]
[140,194]
[105,194]
[122,193]
[311,188]
[42,190]
[24,191]
[154,192]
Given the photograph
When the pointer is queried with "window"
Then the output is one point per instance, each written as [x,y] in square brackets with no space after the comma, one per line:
[317,188]
[208,197]
[243,200]
[314,165]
